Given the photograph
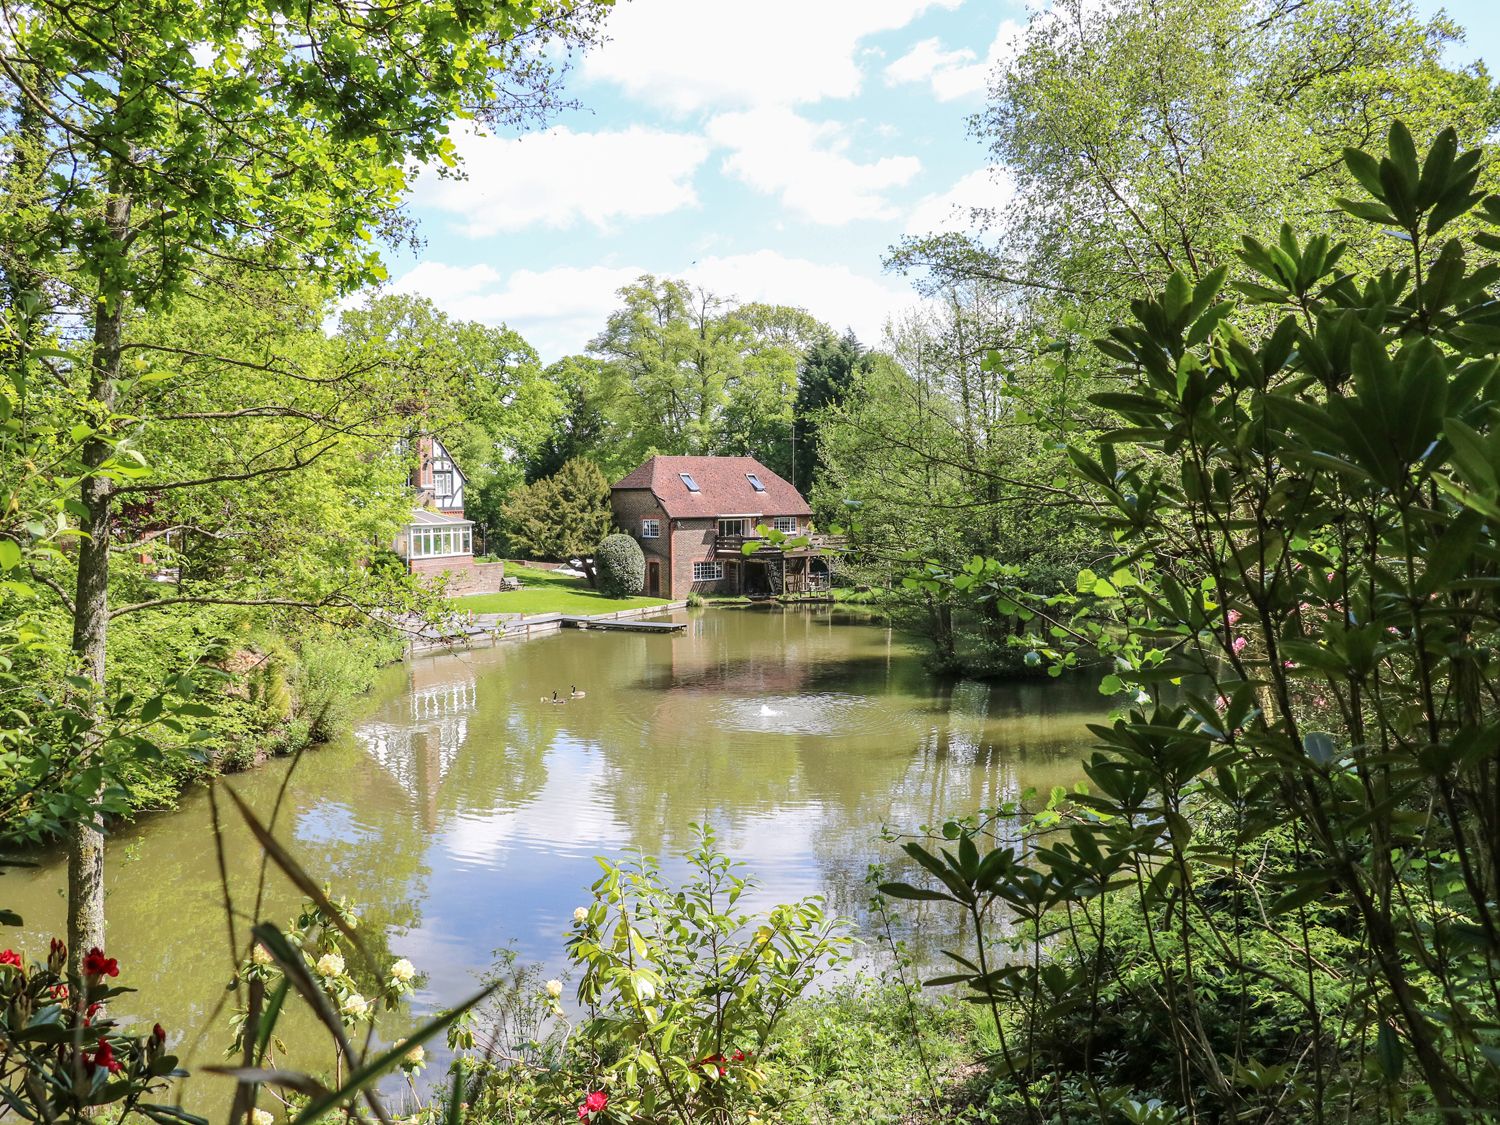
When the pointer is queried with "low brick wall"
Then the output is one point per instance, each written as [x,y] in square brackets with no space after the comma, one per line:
[465,576]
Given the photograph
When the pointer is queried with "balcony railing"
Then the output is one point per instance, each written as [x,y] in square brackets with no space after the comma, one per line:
[733,546]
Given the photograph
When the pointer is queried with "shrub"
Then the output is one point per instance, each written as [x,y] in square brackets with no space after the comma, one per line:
[684,996]
[621,566]
[1278,897]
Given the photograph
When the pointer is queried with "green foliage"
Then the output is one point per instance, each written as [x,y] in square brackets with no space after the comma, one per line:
[67,1060]
[691,372]
[561,517]
[1280,868]
[621,565]
[684,996]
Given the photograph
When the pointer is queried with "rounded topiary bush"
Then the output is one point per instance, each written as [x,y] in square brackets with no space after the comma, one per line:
[620,566]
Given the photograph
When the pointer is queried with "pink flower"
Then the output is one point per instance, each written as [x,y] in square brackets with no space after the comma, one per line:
[593,1104]
[1234,617]
[1239,644]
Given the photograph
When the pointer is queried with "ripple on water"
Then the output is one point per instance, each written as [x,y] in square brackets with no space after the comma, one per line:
[827,713]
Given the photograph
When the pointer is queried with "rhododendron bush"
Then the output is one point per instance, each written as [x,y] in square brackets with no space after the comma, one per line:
[62,1058]
[1279,898]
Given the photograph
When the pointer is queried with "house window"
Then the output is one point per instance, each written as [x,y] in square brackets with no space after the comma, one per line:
[731,527]
[755,482]
[687,479]
[437,542]
[787,525]
[708,571]
[651,529]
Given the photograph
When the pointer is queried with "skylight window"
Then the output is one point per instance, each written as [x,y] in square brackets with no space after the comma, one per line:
[755,482]
[687,479]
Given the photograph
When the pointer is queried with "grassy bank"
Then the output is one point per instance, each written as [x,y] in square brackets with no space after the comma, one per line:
[548,591]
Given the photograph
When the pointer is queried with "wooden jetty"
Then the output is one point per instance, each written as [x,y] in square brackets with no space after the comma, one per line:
[577,621]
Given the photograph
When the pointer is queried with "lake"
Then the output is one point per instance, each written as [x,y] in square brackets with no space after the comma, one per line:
[462,814]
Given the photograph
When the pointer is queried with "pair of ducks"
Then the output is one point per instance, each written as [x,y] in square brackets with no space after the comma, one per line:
[573,693]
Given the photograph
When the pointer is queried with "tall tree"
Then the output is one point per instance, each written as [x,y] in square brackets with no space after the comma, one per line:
[586,425]
[1142,136]
[700,374]
[278,137]
[563,516]
[829,367]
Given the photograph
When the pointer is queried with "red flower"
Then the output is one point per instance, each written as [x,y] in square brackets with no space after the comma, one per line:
[57,956]
[738,1056]
[95,964]
[10,957]
[593,1104]
[158,1033]
[105,1057]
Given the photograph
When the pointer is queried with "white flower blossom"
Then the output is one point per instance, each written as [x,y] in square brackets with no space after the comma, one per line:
[581,914]
[403,971]
[330,965]
[554,988]
[261,956]
[263,1117]
[355,1005]
[414,1058]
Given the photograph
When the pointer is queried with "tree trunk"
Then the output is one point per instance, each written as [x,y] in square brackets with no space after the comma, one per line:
[91,602]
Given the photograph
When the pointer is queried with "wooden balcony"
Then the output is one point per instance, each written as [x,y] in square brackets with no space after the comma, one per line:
[733,546]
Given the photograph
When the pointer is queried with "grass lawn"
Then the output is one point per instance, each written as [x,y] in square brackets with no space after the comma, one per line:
[546,591]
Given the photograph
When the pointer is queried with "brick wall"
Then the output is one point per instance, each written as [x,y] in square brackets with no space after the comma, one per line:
[630,507]
[465,576]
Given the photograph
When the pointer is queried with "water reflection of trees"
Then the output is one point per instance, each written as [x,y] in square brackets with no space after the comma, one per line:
[865,738]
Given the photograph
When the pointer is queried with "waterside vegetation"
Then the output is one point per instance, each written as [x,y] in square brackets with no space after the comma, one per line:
[1214,412]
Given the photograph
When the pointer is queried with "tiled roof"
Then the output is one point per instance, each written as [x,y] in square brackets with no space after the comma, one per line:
[724,488]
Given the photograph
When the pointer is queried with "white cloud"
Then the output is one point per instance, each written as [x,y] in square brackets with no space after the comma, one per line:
[686,55]
[779,152]
[954,74]
[559,310]
[988,191]
[833,293]
[559,178]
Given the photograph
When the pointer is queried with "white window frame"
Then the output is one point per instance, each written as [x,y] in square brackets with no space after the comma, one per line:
[430,541]
[708,571]
[650,529]
[740,520]
[787,525]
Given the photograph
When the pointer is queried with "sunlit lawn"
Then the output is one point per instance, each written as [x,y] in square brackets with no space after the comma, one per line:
[546,591]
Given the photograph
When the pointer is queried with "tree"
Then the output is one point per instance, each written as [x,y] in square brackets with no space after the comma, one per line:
[1142,137]
[273,138]
[586,426]
[1293,808]
[563,516]
[698,374]
[481,387]
[828,369]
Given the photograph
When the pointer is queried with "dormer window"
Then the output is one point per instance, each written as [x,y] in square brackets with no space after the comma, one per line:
[755,482]
[687,479]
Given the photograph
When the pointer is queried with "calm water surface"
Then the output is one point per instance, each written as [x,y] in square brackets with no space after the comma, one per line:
[462,815]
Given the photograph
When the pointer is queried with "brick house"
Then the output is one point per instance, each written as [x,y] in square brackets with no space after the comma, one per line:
[693,516]
[439,540]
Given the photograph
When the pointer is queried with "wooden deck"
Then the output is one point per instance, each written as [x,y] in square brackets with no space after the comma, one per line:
[573,621]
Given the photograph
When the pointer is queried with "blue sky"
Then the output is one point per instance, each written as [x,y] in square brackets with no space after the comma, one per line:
[770,152]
